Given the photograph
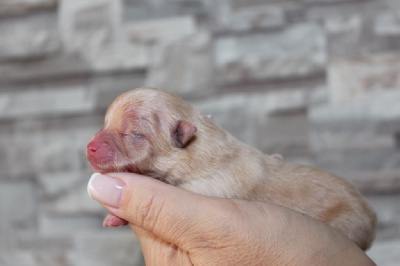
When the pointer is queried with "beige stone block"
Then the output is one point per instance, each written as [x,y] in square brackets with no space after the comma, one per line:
[183,67]
[28,37]
[88,24]
[294,52]
[18,7]
[160,30]
[46,102]
[350,79]
[108,248]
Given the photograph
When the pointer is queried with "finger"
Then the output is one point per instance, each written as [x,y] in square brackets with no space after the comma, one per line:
[151,245]
[156,251]
[148,241]
[173,214]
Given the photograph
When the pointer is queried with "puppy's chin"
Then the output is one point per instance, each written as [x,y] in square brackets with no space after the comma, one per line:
[114,169]
[105,168]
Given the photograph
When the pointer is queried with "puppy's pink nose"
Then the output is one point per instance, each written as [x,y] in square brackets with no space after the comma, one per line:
[92,147]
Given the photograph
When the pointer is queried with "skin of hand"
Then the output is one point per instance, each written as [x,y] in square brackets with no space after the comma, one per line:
[178,227]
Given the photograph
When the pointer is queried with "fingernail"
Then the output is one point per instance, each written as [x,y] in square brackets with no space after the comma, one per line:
[106,190]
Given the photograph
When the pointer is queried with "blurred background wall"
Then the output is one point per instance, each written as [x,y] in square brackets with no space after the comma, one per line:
[315,80]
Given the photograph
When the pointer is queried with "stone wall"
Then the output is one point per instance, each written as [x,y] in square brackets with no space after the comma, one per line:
[315,80]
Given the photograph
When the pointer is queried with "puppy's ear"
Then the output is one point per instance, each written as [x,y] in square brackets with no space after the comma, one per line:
[183,133]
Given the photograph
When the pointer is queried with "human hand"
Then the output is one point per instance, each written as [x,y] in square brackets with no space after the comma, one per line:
[178,227]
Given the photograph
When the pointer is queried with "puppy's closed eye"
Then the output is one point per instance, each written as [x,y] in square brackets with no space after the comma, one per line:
[134,135]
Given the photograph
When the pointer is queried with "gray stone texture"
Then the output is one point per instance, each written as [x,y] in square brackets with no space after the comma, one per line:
[254,18]
[236,121]
[160,30]
[388,23]
[328,1]
[141,10]
[276,130]
[344,36]
[18,7]
[37,102]
[295,52]
[107,248]
[175,66]
[88,23]
[29,37]
[351,79]
[317,81]
[370,121]
[18,206]
[386,252]
[43,68]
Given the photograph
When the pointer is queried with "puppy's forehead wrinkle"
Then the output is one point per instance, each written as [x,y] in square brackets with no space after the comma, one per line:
[157,108]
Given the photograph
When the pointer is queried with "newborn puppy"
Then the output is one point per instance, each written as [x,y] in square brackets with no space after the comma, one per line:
[154,133]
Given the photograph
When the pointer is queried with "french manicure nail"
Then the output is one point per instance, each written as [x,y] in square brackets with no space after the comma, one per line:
[106,190]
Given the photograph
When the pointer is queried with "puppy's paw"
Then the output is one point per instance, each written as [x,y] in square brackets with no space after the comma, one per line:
[114,221]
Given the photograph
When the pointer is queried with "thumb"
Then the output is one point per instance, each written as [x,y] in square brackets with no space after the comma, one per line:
[170,213]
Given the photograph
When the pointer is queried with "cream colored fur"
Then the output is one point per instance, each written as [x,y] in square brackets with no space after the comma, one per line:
[216,164]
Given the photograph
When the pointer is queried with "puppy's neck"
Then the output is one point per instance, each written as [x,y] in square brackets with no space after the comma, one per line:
[217,157]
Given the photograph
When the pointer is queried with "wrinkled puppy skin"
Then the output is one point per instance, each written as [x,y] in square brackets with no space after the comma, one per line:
[154,133]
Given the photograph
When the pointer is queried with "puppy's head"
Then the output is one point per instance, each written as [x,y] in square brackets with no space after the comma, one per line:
[141,126]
